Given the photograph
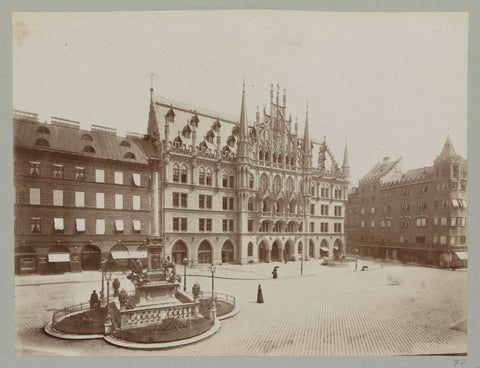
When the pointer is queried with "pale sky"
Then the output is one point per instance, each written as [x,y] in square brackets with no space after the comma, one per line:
[390,83]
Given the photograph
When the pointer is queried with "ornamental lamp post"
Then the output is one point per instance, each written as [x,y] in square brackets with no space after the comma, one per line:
[185,263]
[102,270]
[212,270]
[356,256]
[108,277]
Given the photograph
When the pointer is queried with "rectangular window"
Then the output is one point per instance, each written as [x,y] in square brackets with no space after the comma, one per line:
[176,174]
[175,199]
[201,224]
[118,177]
[183,175]
[57,197]
[201,201]
[312,227]
[79,199]
[362,224]
[209,224]
[250,182]
[58,224]
[184,223]
[34,168]
[453,221]
[183,199]
[225,180]
[100,200]
[230,202]
[136,202]
[136,180]
[230,225]
[443,221]
[209,178]
[34,195]
[462,221]
[224,203]
[100,227]
[443,240]
[99,176]
[250,226]
[231,181]
[225,225]
[312,209]
[35,225]
[176,221]
[435,221]
[80,225]
[137,226]
[209,201]
[119,201]
[201,177]
[58,171]
[453,240]
[80,173]
[372,211]
[119,226]
[372,223]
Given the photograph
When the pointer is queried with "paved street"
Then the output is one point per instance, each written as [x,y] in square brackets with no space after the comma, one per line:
[392,310]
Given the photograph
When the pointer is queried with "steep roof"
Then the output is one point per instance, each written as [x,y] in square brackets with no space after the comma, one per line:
[67,137]
[380,169]
[448,149]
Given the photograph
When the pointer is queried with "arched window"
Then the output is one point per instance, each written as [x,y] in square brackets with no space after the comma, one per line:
[43,130]
[250,204]
[204,253]
[267,156]
[209,176]
[264,182]
[277,184]
[201,175]
[176,173]
[250,250]
[87,137]
[225,179]
[125,144]
[129,155]
[42,143]
[88,149]
[260,155]
[183,174]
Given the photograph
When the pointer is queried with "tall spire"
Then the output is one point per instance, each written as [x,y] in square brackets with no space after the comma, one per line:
[448,149]
[345,157]
[243,116]
[152,128]
[306,138]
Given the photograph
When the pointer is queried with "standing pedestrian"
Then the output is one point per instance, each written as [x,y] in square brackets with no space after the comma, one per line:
[93,299]
[275,272]
[259,294]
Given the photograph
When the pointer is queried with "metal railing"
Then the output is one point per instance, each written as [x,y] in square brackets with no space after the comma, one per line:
[60,314]
[217,296]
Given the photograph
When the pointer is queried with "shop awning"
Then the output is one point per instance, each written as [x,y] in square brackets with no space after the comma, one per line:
[137,225]
[138,254]
[80,224]
[325,249]
[119,225]
[58,223]
[120,254]
[59,257]
[462,255]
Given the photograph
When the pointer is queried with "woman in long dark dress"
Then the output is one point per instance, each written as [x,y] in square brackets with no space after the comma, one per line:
[259,294]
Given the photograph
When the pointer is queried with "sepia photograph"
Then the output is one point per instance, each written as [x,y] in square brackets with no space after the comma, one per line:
[240,183]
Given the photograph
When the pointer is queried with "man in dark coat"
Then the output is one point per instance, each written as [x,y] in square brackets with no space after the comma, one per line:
[93,299]
[275,272]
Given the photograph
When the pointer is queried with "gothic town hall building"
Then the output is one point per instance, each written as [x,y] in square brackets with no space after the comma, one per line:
[209,188]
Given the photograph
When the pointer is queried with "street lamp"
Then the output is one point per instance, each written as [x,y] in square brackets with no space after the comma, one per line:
[102,270]
[212,270]
[185,263]
[356,256]
[108,277]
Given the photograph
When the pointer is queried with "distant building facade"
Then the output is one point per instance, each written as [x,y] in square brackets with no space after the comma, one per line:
[419,215]
[208,188]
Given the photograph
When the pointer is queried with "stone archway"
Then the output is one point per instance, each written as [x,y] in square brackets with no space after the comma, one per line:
[179,252]
[91,256]
[205,253]
[58,259]
[289,250]
[228,252]
[262,252]
[276,253]
[324,251]
[25,260]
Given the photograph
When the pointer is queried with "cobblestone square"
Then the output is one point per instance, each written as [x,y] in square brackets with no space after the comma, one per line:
[388,310]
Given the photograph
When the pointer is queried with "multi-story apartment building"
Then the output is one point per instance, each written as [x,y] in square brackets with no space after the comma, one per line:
[212,189]
[419,215]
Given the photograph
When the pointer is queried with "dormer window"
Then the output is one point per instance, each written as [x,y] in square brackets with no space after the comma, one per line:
[216,126]
[194,120]
[88,149]
[129,155]
[125,144]
[187,131]
[42,143]
[177,142]
[209,136]
[34,168]
[87,137]
[43,130]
